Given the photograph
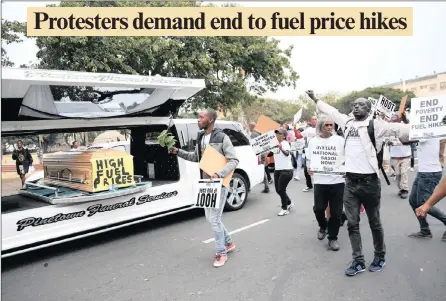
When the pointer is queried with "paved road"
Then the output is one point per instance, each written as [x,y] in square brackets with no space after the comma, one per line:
[280,259]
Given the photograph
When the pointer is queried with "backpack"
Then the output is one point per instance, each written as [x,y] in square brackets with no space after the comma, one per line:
[380,153]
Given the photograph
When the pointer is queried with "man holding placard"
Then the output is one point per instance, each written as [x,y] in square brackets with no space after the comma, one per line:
[364,139]
[219,141]
[324,161]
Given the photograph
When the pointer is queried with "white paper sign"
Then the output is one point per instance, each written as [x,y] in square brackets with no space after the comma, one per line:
[426,117]
[385,106]
[326,159]
[374,105]
[264,143]
[208,192]
[297,145]
[298,116]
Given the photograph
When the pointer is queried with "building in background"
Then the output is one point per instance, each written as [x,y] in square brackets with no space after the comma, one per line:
[429,85]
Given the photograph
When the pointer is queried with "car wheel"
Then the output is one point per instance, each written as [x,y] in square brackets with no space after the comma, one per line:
[237,193]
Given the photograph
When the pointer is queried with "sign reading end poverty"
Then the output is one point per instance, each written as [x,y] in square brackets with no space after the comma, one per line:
[264,143]
[326,159]
[426,117]
[385,106]
[208,193]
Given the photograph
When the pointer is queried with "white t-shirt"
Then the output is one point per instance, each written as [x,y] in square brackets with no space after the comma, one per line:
[400,151]
[334,140]
[282,162]
[429,155]
[309,133]
[205,142]
[356,158]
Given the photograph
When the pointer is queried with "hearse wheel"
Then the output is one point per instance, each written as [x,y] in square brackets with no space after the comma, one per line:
[237,193]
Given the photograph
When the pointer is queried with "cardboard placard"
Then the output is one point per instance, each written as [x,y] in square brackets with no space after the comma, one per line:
[327,159]
[212,161]
[402,106]
[266,124]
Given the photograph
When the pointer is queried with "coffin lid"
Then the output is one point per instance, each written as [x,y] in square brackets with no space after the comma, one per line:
[26,94]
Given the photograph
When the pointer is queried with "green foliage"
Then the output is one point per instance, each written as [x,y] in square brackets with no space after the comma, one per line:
[11,33]
[234,68]
[166,139]
[395,95]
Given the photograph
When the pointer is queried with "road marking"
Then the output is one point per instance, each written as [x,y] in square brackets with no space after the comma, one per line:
[239,230]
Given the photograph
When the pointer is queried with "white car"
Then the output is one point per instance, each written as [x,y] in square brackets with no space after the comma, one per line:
[44,215]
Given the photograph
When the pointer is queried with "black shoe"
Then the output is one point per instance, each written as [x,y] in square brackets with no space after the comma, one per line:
[404,194]
[321,234]
[400,192]
[333,244]
[265,190]
[377,264]
[355,268]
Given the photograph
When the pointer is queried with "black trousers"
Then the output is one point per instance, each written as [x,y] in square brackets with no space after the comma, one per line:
[366,190]
[268,175]
[322,195]
[307,175]
[281,180]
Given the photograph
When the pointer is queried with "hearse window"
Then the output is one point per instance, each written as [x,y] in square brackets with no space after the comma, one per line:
[193,133]
[183,136]
[235,134]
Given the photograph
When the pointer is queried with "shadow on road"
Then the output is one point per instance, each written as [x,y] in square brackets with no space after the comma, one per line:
[47,253]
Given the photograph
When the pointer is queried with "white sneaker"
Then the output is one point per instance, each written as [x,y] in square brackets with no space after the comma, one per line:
[411,169]
[306,189]
[297,178]
[283,212]
[290,205]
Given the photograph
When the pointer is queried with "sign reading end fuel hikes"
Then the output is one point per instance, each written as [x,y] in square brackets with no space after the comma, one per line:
[112,171]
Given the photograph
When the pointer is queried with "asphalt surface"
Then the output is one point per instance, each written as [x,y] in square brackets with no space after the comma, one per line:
[280,259]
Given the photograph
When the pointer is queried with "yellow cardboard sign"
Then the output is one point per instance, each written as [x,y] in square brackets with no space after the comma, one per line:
[266,124]
[110,171]
[402,106]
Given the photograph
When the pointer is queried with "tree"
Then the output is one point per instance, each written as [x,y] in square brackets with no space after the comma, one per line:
[234,68]
[395,95]
[11,33]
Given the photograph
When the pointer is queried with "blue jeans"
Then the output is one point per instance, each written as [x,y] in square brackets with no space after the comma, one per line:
[213,216]
[423,187]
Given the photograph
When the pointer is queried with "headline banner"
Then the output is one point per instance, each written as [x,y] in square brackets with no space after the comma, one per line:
[219,21]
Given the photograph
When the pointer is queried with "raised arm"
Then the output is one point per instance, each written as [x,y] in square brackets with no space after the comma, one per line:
[326,109]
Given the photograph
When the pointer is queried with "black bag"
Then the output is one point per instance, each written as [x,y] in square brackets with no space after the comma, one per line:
[379,154]
[293,160]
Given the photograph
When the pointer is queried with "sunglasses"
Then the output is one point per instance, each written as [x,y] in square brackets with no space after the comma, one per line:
[329,124]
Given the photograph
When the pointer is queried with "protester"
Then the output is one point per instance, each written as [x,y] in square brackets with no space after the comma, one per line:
[327,187]
[301,141]
[267,176]
[439,193]
[308,134]
[222,144]
[23,160]
[283,170]
[428,177]
[75,145]
[362,175]
[400,159]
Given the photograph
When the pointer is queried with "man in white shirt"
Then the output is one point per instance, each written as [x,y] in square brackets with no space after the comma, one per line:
[428,177]
[327,187]
[309,133]
[400,155]
[362,168]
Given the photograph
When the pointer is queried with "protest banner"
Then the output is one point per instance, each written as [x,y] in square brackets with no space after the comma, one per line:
[426,117]
[327,159]
[264,143]
[374,103]
[297,145]
[212,161]
[298,116]
[385,106]
[208,193]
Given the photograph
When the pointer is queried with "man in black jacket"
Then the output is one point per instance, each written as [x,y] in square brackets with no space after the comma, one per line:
[23,160]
